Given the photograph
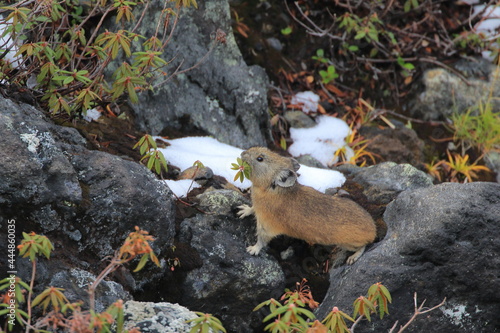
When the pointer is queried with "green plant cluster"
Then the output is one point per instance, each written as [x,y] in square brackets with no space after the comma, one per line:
[478,127]
[243,169]
[291,316]
[384,44]
[154,158]
[63,315]
[61,45]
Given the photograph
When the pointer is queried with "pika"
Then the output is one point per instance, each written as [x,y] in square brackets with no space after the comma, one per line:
[282,206]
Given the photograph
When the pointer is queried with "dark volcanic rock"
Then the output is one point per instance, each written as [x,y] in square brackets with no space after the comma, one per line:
[441,242]
[86,202]
[231,282]
[222,97]
[399,145]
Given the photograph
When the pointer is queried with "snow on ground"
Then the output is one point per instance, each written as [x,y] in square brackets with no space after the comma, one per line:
[308,100]
[7,43]
[321,141]
[219,156]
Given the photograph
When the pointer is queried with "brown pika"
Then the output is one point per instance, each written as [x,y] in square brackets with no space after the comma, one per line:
[282,206]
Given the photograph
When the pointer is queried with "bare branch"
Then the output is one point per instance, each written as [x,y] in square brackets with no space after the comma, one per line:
[418,311]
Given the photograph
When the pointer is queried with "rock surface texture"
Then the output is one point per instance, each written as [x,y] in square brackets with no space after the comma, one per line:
[157,317]
[223,97]
[86,202]
[384,181]
[441,242]
[231,282]
[442,92]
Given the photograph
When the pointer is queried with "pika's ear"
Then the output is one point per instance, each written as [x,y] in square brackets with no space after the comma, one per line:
[296,165]
[285,178]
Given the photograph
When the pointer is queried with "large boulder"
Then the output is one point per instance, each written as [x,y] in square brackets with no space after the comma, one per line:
[441,242]
[222,96]
[85,201]
[230,282]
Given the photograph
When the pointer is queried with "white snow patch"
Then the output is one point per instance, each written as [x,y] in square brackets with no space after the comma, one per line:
[219,156]
[92,114]
[6,42]
[308,99]
[320,179]
[322,140]
[491,20]
[181,187]
[212,153]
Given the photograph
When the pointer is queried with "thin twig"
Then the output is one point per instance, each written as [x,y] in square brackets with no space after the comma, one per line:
[315,31]
[358,320]
[421,59]
[418,311]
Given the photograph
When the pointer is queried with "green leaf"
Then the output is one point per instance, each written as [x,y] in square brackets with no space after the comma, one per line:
[286,31]
[360,34]
[150,162]
[142,262]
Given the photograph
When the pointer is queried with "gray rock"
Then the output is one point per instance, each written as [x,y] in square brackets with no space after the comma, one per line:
[492,159]
[30,150]
[310,161]
[399,145]
[76,283]
[384,181]
[120,195]
[223,96]
[441,242]
[157,317]
[84,201]
[231,282]
[444,92]
[299,119]
[221,202]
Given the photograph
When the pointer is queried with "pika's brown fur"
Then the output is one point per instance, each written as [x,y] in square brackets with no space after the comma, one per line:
[282,206]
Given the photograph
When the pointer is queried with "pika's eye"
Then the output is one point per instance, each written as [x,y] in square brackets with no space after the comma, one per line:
[260,158]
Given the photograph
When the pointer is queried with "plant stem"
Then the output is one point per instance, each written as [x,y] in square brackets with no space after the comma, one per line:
[113,265]
[30,292]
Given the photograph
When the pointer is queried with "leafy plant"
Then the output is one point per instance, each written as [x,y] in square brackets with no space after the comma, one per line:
[370,43]
[329,75]
[478,127]
[206,323]
[291,315]
[410,4]
[320,56]
[155,160]
[65,315]
[243,168]
[60,44]
[458,164]
[358,155]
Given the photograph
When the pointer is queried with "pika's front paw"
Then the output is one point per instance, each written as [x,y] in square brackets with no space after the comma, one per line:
[254,250]
[245,210]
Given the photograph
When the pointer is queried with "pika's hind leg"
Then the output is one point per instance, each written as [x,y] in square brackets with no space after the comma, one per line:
[262,239]
[352,259]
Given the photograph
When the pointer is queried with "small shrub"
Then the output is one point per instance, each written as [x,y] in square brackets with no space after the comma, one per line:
[62,46]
